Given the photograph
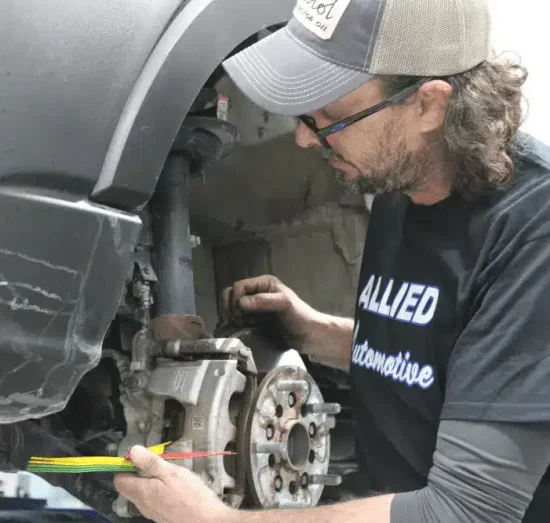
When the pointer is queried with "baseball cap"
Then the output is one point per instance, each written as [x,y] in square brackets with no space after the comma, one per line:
[329,48]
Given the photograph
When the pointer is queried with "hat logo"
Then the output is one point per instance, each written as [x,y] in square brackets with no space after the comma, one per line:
[321,17]
[322,8]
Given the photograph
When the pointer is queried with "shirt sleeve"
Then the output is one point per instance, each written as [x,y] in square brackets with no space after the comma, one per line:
[482,473]
[499,369]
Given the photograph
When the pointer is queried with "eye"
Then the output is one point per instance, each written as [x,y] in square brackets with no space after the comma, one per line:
[308,121]
[331,116]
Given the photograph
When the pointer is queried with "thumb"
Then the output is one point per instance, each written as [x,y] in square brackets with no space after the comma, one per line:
[149,463]
[265,302]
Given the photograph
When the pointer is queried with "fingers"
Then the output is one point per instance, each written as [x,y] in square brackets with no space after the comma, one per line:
[235,299]
[264,302]
[141,493]
[149,463]
[262,284]
[129,485]
[226,304]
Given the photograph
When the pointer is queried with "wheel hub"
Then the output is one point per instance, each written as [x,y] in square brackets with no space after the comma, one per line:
[288,440]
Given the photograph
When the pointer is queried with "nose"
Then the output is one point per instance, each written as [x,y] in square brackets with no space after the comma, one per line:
[305,137]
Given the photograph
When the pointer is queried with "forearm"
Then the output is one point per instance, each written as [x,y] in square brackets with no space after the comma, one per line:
[482,472]
[370,510]
[329,340]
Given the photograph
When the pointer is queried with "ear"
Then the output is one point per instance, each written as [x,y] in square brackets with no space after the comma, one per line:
[433,97]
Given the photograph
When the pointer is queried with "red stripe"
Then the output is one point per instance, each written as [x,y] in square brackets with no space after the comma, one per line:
[190,455]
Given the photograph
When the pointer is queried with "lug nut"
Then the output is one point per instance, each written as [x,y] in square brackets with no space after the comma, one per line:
[270,432]
[312,430]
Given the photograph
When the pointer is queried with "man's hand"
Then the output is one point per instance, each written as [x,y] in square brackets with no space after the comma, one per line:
[322,337]
[267,294]
[168,493]
[172,494]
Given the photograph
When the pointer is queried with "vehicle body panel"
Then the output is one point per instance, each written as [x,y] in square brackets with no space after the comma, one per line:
[92,95]
[66,70]
[56,298]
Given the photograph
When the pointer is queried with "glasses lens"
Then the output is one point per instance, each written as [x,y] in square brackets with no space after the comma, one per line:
[309,122]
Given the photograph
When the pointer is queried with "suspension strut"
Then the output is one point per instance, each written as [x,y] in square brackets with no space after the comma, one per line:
[200,141]
[173,250]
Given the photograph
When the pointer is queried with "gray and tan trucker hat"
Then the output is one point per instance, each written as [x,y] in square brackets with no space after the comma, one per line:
[331,47]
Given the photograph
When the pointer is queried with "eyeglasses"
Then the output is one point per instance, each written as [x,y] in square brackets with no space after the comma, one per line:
[323,133]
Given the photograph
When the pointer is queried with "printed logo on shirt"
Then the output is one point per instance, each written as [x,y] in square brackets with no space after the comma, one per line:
[410,303]
[321,17]
[398,367]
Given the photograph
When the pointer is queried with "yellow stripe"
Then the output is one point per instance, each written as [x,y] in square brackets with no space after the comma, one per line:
[92,460]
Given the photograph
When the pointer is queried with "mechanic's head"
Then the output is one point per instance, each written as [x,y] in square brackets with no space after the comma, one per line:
[451,108]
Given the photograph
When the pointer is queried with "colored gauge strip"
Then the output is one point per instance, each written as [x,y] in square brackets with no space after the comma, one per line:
[83,464]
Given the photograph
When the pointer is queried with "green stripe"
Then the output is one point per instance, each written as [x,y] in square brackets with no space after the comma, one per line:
[80,469]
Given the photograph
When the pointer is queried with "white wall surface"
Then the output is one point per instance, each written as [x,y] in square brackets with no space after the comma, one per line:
[37,488]
[521,27]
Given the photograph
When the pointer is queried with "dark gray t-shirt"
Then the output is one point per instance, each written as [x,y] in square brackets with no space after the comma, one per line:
[453,323]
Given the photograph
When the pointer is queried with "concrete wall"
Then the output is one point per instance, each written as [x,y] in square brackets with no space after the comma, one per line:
[274,208]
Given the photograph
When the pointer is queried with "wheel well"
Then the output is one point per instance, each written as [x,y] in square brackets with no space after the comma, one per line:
[176,71]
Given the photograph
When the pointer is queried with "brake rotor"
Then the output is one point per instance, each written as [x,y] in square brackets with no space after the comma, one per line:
[288,441]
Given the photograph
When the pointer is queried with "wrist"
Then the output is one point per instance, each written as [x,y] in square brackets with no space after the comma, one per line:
[233,515]
[328,325]
[228,515]
[325,328]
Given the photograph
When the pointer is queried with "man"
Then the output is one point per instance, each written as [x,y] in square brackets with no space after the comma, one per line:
[449,353]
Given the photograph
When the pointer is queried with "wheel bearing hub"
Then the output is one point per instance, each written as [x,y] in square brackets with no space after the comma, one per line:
[288,441]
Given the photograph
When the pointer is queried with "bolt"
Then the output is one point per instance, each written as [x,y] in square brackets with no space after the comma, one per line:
[330,423]
[312,430]
[138,366]
[332,480]
[324,408]
[291,504]
[270,432]
[143,425]
[272,447]
[278,483]
[292,386]
[291,399]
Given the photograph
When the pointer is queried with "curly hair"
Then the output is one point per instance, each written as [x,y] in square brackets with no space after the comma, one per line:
[481,123]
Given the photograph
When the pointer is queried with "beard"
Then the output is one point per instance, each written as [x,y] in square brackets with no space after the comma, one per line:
[395,168]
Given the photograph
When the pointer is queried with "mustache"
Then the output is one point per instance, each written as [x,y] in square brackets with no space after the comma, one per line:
[328,154]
